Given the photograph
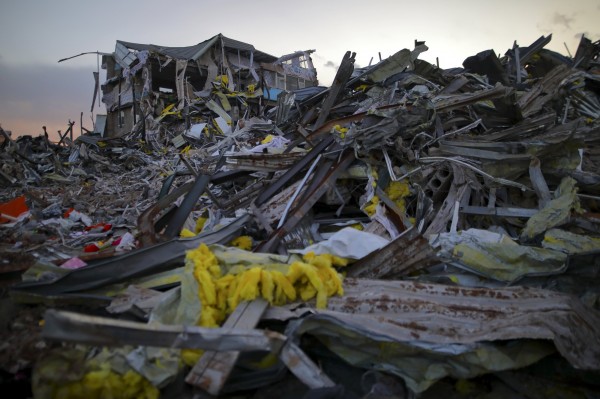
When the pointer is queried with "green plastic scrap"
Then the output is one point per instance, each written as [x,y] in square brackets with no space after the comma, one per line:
[570,243]
[509,262]
[556,212]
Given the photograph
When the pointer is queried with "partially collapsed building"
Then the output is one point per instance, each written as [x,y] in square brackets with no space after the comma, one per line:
[145,79]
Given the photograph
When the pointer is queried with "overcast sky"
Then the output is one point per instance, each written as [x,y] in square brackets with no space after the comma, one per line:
[36,90]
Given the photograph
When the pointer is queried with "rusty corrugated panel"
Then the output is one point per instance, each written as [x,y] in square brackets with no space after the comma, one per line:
[407,253]
[443,314]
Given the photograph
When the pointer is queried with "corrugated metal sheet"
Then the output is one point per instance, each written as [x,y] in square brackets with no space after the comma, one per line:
[444,314]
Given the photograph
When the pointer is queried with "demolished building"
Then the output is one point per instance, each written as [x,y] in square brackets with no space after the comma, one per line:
[409,231]
[145,79]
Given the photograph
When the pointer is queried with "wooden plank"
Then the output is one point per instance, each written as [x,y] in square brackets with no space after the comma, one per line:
[104,331]
[213,368]
[502,212]
[303,367]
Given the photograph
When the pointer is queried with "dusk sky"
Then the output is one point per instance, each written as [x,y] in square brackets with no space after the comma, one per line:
[36,90]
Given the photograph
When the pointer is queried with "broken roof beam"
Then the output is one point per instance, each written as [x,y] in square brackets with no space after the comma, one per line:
[522,129]
[310,197]
[533,101]
[339,83]
[268,192]
[146,220]
[186,207]
[528,52]
[396,63]
[103,331]
[585,52]
[262,162]
[443,103]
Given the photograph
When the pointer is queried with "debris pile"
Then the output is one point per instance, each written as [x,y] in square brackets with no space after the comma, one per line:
[408,231]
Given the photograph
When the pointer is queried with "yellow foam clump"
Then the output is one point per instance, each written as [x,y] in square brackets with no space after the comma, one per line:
[185,233]
[371,208]
[220,294]
[224,79]
[105,383]
[267,139]
[397,191]
[242,242]
[200,222]
[340,130]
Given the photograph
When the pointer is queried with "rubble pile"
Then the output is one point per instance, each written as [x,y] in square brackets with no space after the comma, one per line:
[406,232]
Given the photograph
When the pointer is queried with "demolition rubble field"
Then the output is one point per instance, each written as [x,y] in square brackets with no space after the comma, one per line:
[409,231]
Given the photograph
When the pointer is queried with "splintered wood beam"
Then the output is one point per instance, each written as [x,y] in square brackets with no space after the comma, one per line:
[212,370]
[104,331]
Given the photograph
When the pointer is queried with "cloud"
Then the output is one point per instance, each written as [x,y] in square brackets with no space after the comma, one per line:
[331,64]
[562,19]
[32,96]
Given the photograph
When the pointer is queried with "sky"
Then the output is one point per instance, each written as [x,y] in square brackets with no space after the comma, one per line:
[36,90]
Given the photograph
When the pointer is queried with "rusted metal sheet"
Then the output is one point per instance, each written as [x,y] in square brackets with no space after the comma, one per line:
[146,220]
[406,311]
[407,253]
